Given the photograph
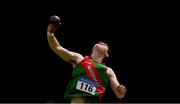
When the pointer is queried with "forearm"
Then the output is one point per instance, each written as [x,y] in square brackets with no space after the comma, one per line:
[117,88]
[53,43]
[58,49]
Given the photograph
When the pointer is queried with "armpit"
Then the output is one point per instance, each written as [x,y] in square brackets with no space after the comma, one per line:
[73,62]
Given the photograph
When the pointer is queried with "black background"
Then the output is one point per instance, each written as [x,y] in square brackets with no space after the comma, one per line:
[143,40]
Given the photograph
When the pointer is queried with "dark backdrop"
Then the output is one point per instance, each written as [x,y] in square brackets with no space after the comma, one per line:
[143,40]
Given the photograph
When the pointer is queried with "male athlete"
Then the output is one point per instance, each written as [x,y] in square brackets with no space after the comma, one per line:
[90,76]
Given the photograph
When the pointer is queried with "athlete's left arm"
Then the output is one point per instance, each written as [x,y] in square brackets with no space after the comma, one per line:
[117,88]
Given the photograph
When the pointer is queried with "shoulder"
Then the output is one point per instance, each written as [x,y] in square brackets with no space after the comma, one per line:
[110,72]
[77,59]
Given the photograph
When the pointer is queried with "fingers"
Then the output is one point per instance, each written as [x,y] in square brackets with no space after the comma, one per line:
[123,87]
[49,27]
[56,26]
[122,91]
[53,27]
[54,23]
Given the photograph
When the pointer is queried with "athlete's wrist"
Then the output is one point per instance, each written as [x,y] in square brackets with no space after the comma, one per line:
[50,34]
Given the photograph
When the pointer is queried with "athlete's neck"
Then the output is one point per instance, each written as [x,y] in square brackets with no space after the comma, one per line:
[97,58]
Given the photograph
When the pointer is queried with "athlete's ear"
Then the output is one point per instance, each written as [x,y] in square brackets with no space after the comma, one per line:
[107,54]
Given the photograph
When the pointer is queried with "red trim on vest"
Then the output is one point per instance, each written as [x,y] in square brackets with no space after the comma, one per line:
[85,64]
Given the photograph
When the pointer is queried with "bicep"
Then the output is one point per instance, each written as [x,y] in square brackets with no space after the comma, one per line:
[68,55]
[113,79]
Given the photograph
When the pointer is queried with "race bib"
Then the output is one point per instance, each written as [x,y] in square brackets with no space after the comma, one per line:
[86,85]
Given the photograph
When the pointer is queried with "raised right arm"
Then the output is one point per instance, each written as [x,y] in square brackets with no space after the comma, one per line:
[63,53]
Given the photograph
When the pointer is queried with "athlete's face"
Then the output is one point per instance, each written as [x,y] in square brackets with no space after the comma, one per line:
[101,48]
